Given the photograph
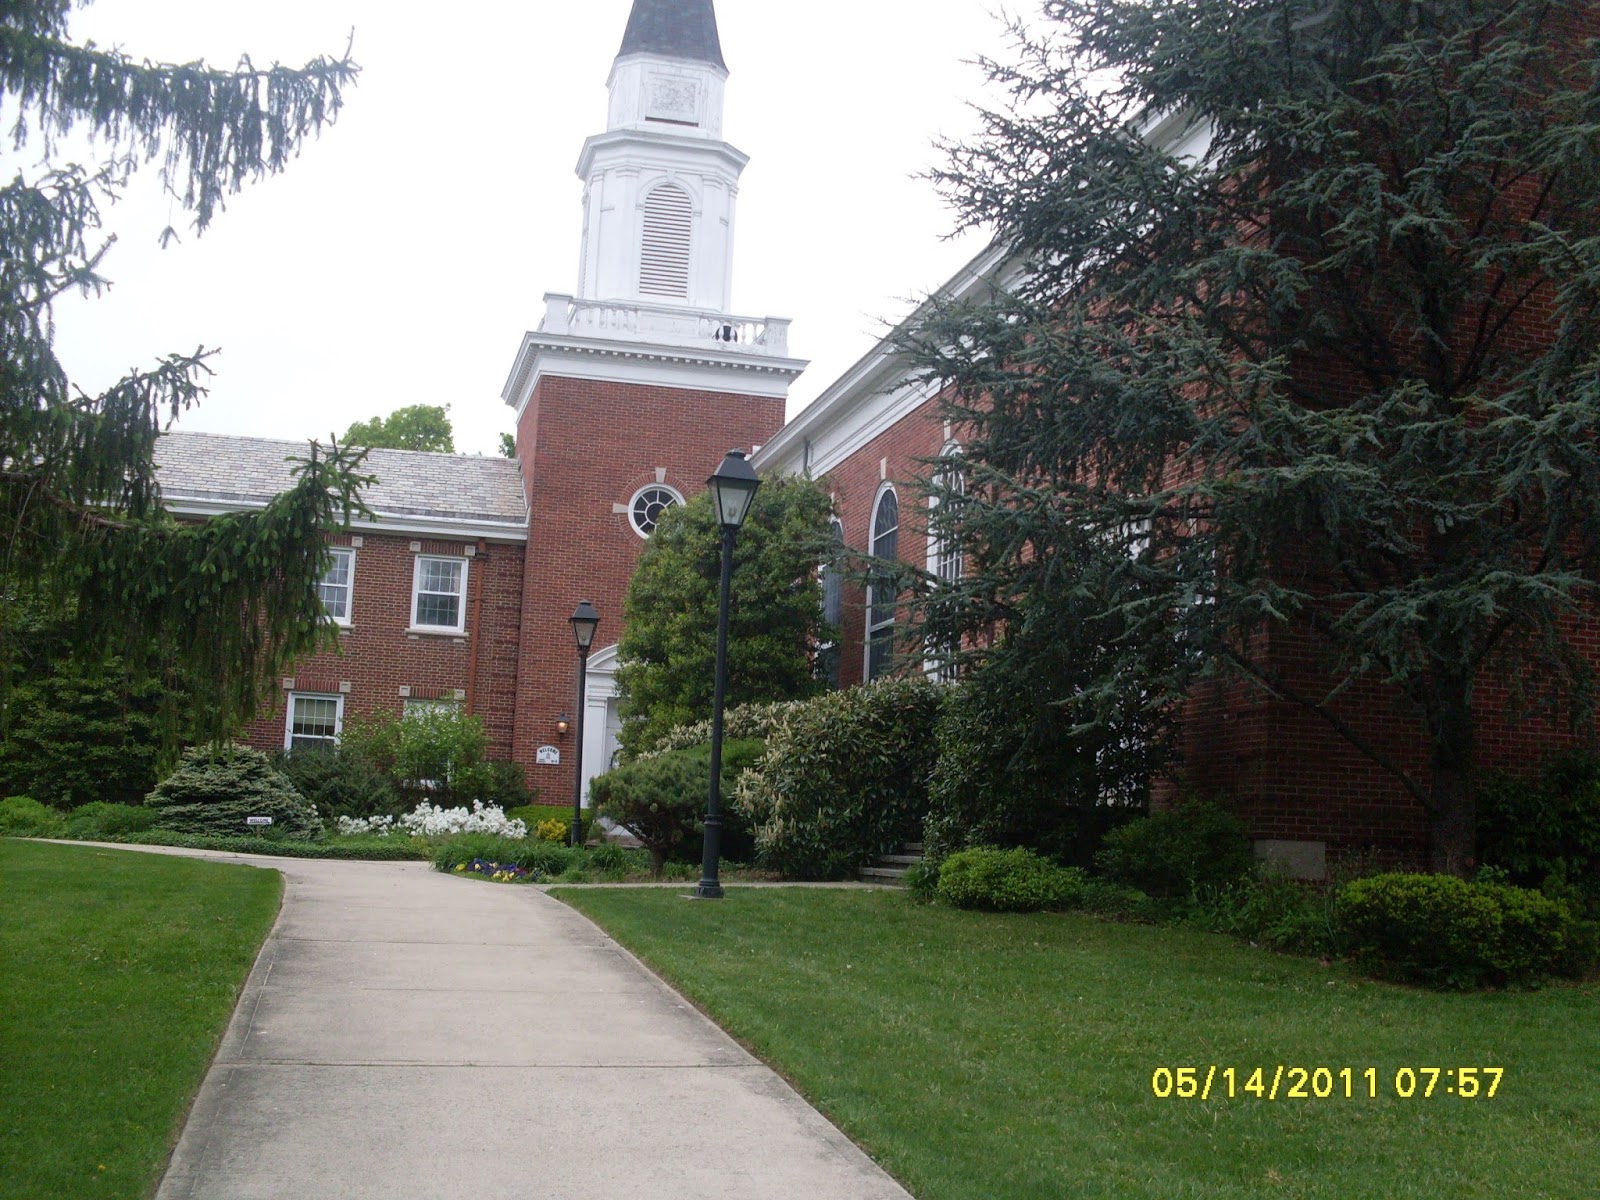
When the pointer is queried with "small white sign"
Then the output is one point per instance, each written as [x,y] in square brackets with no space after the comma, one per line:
[258,820]
[549,756]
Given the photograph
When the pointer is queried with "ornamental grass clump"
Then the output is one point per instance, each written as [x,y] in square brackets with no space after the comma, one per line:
[216,791]
[1007,881]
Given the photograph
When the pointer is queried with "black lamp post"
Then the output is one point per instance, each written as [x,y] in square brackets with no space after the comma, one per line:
[733,487]
[584,621]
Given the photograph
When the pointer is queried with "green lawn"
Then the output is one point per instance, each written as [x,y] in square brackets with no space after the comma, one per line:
[982,1057]
[118,971]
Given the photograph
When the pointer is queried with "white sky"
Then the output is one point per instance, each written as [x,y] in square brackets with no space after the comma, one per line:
[400,260]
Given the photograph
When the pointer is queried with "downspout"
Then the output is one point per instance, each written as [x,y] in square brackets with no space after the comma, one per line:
[475,624]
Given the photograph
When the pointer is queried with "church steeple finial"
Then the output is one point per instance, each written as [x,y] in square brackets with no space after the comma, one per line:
[685,29]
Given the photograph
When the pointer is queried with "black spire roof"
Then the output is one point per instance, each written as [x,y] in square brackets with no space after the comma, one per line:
[675,29]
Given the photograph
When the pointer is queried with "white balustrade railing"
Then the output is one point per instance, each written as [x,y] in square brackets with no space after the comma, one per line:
[662,324]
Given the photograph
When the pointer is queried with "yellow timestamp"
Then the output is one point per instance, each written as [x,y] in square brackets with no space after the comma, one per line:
[1324,1083]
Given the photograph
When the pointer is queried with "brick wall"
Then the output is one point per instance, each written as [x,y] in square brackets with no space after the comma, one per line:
[893,457]
[585,448]
[378,655]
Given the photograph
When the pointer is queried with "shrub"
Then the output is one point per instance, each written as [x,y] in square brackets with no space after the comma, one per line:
[1546,833]
[540,858]
[1012,771]
[23,816]
[1176,851]
[214,790]
[922,881]
[559,832]
[434,754]
[341,782]
[743,722]
[427,820]
[533,815]
[1271,911]
[1442,931]
[505,786]
[1013,880]
[102,820]
[1118,902]
[662,800]
[844,777]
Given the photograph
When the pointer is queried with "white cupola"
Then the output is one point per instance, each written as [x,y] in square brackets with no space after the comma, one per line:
[660,183]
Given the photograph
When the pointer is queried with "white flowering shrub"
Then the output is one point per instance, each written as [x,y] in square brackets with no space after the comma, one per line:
[427,821]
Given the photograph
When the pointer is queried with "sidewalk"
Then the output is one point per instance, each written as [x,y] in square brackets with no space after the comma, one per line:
[409,1034]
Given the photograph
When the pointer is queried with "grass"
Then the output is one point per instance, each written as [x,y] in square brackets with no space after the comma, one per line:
[986,1057]
[118,972]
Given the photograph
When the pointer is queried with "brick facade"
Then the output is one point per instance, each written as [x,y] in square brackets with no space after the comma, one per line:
[379,654]
[586,448]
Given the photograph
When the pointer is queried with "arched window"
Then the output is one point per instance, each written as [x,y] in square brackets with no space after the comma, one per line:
[945,562]
[832,581]
[664,254]
[881,594]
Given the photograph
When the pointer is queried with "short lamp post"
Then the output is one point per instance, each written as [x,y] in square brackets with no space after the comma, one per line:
[584,621]
[733,488]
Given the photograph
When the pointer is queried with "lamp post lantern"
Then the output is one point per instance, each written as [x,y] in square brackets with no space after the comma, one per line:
[733,487]
[584,622]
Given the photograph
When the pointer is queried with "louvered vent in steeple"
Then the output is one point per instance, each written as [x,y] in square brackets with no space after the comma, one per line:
[664,258]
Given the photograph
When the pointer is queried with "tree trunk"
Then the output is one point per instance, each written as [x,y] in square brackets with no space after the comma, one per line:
[658,860]
[1452,819]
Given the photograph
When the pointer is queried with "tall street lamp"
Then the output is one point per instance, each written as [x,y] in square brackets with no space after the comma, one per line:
[584,621]
[733,487]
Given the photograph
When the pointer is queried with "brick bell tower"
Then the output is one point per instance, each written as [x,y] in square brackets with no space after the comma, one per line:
[629,392]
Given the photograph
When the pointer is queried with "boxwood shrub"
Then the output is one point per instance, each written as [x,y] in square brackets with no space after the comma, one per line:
[1442,931]
[1177,851]
[1007,881]
[844,777]
[215,790]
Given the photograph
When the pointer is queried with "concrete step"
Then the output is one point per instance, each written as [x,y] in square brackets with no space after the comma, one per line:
[911,848]
[897,860]
[889,875]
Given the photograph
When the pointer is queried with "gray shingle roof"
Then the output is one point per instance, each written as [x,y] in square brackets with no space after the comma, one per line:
[248,470]
[675,29]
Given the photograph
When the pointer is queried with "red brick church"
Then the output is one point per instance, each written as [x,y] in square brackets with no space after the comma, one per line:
[626,396]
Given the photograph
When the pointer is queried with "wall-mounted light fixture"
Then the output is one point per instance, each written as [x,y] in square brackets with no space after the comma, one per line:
[562,724]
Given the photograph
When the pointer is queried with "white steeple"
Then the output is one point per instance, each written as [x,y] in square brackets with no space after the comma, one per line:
[660,183]
[655,279]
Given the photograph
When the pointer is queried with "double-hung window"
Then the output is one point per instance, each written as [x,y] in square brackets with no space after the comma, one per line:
[439,594]
[337,584]
[314,721]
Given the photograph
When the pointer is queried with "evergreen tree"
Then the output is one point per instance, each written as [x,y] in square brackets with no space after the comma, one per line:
[1301,322]
[82,529]
[668,644]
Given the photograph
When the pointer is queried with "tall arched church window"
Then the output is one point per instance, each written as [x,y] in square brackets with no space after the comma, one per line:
[832,581]
[945,562]
[881,594]
[664,254]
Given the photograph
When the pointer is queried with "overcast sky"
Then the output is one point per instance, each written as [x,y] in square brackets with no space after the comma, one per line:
[400,260]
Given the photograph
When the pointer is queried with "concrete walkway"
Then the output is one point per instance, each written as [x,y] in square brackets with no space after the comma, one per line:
[409,1034]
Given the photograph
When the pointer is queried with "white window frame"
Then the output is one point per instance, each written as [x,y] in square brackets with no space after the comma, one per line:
[946,565]
[677,500]
[288,716]
[829,573]
[870,629]
[349,585]
[461,595]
